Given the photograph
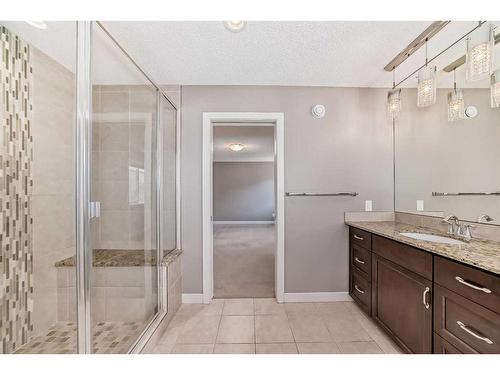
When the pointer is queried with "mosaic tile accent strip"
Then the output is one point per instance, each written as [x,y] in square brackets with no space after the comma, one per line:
[61,338]
[16,182]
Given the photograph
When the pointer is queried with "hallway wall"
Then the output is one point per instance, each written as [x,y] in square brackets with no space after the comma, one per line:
[350,149]
[243,191]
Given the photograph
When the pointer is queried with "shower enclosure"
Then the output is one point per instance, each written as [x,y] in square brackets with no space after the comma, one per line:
[88,192]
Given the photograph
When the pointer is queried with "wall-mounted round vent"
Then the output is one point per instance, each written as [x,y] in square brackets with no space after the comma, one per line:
[318,111]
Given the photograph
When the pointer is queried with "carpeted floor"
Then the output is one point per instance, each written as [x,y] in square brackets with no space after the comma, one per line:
[244,260]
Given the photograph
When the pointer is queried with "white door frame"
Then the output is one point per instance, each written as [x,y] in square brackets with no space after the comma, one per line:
[246,119]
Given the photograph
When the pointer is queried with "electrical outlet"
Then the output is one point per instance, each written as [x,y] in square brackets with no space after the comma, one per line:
[368,205]
[420,205]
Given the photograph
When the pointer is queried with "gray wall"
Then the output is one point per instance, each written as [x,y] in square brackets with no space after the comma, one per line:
[243,191]
[433,154]
[349,149]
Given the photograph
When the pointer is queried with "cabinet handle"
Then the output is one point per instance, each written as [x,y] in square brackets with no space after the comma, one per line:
[474,334]
[359,260]
[424,298]
[481,288]
[359,289]
[358,237]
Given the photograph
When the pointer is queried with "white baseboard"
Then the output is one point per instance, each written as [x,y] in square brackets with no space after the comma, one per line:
[243,222]
[317,297]
[192,298]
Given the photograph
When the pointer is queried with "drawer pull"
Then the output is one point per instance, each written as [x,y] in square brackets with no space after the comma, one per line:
[462,281]
[358,237]
[424,298]
[359,260]
[472,333]
[359,289]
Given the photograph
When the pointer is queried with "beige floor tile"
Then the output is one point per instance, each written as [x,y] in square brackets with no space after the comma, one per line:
[334,309]
[236,329]
[193,349]
[281,348]
[238,306]
[345,330]
[190,309]
[272,329]
[300,307]
[308,328]
[360,347]
[268,306]
[213,308]
[318,348]
[234,349]
[378,335]
[199,330]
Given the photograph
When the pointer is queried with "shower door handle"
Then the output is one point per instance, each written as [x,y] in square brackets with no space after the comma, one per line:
[95,210]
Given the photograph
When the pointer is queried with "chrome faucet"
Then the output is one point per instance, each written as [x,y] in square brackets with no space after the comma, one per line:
[485,217]
[458,229]
[453,224]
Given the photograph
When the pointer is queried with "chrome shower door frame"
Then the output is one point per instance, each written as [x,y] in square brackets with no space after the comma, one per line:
[83,169]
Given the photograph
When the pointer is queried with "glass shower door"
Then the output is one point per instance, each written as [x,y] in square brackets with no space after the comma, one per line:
[124,278]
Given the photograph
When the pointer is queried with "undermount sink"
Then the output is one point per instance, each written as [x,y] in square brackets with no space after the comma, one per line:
[432,238]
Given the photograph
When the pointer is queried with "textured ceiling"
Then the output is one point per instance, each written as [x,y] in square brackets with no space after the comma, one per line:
[258,141]
[341,54]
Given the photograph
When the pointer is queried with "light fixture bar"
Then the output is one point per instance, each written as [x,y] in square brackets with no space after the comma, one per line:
[414,46]
[461,61]
[412,74]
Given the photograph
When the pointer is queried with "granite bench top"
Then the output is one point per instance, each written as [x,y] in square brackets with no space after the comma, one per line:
[480,253]
[123,258]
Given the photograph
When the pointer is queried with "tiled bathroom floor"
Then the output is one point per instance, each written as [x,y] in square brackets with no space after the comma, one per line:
[262,326]
[109,338]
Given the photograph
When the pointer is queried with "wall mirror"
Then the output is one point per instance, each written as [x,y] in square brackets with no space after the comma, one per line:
[447,155]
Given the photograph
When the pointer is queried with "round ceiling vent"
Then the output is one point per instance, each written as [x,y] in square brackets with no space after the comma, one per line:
[471,111]
[318,111]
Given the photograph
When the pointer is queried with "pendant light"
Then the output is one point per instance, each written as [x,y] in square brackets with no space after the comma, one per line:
[495,89]
[456,107]
[394,99]
[479,58]
[426,83]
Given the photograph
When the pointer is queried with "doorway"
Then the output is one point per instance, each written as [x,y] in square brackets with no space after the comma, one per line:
[243,210]
[243,205]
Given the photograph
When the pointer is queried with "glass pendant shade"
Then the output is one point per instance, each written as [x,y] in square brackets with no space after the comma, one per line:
[394,103]
[479,57]
[426,88]
[456,106]
[495,89]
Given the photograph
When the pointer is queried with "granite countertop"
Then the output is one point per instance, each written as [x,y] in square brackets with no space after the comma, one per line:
[480,253]
[123,258]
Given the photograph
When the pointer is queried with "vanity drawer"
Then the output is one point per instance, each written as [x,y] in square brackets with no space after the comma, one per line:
[478,286]
[412,259]
[441,346]
[361,290]
[360,237]
[362,259]
[466,325]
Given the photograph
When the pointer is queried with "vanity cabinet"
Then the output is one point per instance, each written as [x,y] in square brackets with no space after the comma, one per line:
[426,303]
[401,293]
[467,307]
[360,255]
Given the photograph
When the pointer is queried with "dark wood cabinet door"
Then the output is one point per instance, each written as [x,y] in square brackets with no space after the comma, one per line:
[441,346]
[402,305]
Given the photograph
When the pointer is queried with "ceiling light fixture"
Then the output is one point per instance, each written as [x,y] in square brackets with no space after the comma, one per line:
[495,89]
[456,107]
[38,24]
[479,58]
[394,98]
[235,26]
[426,88]
[236,147]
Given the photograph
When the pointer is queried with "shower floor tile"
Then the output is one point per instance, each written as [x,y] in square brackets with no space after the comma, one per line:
[61,338]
